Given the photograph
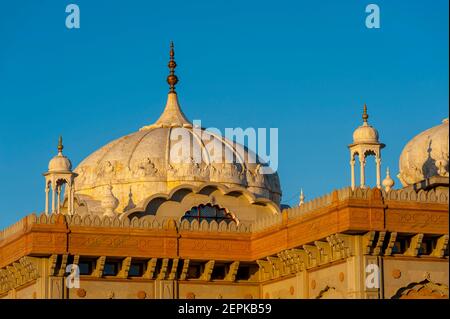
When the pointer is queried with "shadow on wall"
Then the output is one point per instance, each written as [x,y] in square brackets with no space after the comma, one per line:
[429,168]
[425,289]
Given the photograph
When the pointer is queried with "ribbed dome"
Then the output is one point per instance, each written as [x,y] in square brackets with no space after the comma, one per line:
[150,161]
[59,163]
[365,134]
[426,155]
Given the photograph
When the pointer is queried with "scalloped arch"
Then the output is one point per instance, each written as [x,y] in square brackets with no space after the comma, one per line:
[151,205]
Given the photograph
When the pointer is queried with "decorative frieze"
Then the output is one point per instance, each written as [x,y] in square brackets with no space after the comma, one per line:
[18,274]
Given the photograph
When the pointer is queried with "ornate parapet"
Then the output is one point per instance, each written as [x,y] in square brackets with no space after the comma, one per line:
[310,206]
[422,196]
[266,222]
[147,222]
[33,235]
[213,226]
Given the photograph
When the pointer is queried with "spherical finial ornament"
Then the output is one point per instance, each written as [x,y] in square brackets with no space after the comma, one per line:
[172,79]
[388,182]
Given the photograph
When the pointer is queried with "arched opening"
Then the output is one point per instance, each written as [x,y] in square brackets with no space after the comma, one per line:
[365,167]
[209,213]
[370,169]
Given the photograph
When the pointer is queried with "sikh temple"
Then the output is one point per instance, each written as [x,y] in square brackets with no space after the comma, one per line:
[133,222]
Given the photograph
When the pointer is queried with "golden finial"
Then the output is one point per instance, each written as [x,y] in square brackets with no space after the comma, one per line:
[60,144]
[365,116]
[172,79]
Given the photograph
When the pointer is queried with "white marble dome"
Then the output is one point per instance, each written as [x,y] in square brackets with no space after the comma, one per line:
[149,161]
[59,163]
[426,155]
[365,134]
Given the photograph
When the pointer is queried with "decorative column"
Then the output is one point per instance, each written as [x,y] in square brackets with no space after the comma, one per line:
[378,162]
[53,197]
[46,198]
[72,196]
[58,194]
[362,162]
[352,168]
[69,196]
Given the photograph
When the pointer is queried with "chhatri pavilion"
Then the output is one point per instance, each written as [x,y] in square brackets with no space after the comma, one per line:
[135,221]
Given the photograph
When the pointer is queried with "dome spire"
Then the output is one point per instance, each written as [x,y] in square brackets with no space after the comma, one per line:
[172,115]
[60,145]
[365,116]
[172,79]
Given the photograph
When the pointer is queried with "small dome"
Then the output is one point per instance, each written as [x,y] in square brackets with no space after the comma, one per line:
[425,156]
[59,163]
[365,134]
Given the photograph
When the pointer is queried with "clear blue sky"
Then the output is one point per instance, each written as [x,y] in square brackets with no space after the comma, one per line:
[305,67]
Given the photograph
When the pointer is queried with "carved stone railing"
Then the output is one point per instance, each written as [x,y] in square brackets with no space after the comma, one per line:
[357,193]
[312,205]
[431,196]
[152,222]
[25,223]
[148,222]
[13,229]
[213,226]
[266,222]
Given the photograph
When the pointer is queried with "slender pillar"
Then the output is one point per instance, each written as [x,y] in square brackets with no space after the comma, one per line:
[58,192]
[69,193]
[46,198]
[362,162]
[352,168]
[72,195]
[53,197]
[378,162]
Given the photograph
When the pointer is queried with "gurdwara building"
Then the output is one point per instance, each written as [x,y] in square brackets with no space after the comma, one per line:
[135,221]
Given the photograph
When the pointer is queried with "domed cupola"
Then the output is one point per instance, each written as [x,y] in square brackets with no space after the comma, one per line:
[59,174]
[60,163]
[426,156]
[365,143]
[365,133]
[153,160]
